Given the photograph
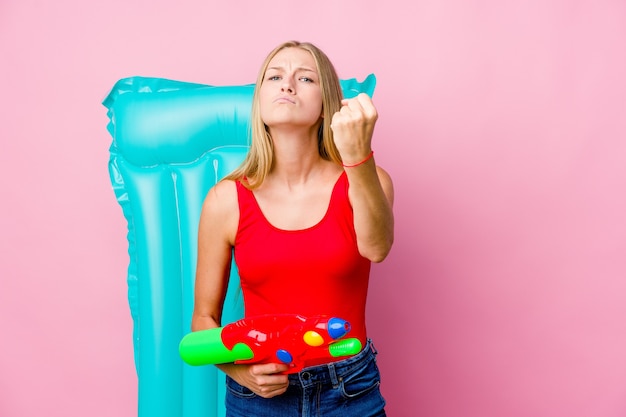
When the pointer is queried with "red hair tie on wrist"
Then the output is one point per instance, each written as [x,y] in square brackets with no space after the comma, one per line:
[367,158]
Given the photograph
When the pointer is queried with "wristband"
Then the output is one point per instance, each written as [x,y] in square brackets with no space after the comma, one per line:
[367,158]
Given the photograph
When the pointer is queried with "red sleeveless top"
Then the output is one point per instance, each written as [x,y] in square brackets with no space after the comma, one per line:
[312,271]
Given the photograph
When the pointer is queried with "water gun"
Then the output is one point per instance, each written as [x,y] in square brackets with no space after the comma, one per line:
[287,338]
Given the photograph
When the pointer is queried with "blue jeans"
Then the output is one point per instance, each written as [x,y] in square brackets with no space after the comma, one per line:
[350,387]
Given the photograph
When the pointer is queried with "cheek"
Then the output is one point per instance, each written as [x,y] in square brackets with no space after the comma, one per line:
[316,101]
[263,94]
[320,108]
[263,113]
[263,103]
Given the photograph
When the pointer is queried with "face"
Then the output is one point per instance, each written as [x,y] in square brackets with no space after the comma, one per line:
[290,93]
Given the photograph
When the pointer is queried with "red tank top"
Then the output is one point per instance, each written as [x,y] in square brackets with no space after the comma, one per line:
[317,270]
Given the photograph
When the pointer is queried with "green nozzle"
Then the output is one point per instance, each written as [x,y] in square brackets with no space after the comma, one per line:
[345,347]
[205,347]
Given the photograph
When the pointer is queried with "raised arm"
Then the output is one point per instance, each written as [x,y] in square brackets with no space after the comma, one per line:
[371,188]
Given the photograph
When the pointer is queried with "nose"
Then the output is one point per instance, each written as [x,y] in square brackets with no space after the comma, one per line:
[287,85]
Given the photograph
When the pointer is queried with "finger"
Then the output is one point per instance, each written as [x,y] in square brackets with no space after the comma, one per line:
[345,111]
[367,105]
[268,368]
[267,392]
[272,382]
[268,382]
[352,110]
[354,97]
[352,103]
[355,104]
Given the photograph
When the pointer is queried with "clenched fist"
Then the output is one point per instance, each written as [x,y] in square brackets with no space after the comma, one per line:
[353,127]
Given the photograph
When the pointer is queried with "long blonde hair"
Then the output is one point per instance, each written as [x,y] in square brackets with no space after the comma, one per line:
[258,162]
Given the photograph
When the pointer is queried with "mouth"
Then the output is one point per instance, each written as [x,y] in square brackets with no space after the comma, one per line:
[285,100]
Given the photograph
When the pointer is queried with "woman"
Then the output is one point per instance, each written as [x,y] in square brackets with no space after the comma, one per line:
[306,214]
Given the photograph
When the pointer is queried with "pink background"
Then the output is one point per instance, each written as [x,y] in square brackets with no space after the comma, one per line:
[503,125]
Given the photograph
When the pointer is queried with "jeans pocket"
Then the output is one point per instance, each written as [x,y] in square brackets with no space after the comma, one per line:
[361,382]
[238,390]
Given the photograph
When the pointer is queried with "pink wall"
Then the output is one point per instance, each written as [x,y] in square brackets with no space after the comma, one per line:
[503,126]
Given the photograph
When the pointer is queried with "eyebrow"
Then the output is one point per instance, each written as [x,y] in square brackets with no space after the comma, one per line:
[298,69]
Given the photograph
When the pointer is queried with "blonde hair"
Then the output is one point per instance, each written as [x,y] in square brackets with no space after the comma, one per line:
[258,162]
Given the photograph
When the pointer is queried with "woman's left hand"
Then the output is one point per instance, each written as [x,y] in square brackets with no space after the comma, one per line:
[353,127]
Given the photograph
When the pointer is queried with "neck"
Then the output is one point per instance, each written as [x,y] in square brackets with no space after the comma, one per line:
[296,156]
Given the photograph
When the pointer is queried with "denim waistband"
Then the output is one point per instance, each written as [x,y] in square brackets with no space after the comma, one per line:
[333,372]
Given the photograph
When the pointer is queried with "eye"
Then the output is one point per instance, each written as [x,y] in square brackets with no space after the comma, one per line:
[273,78]
[307,79]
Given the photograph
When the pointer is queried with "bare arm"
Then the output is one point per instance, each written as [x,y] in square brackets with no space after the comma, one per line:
[216,237]
[371,189]
[218,225]
[371,196]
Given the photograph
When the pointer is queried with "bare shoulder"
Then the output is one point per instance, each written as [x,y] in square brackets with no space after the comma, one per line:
[222,195]
[220,210]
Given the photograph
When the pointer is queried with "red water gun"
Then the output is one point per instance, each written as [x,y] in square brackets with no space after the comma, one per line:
[287,338]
